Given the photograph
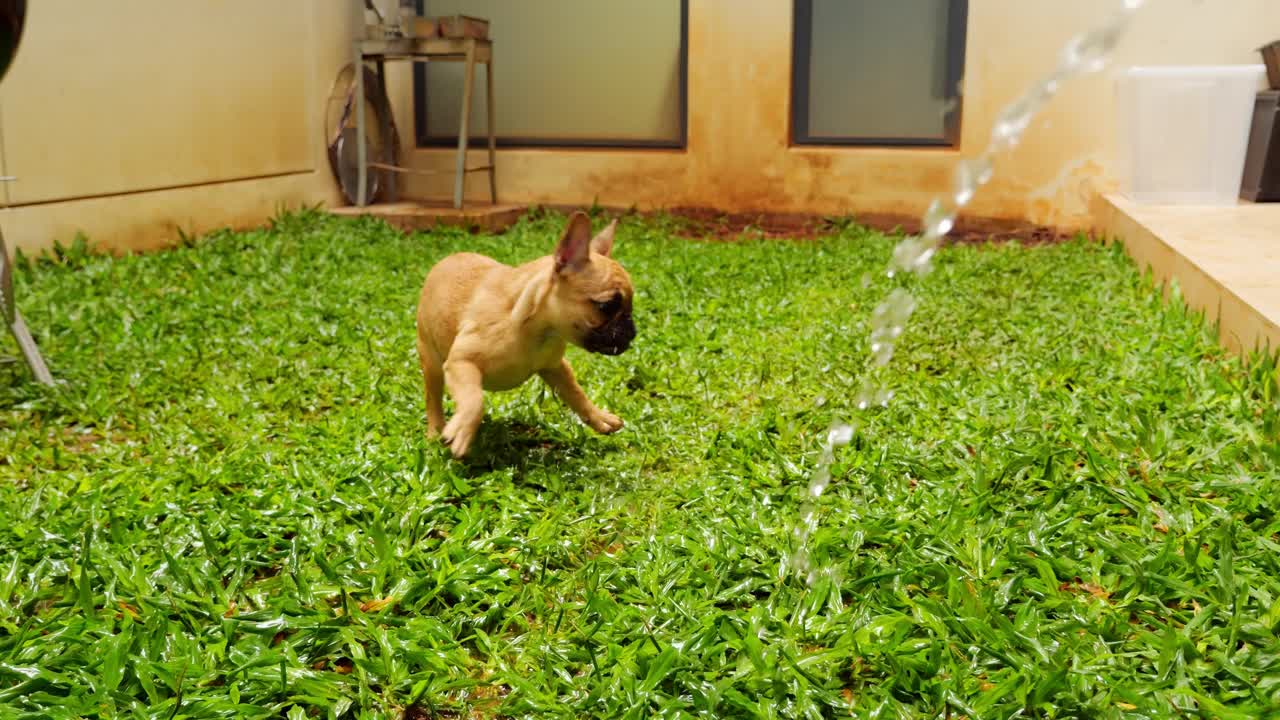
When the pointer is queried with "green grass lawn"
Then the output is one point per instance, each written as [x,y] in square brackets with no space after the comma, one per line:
[229,508]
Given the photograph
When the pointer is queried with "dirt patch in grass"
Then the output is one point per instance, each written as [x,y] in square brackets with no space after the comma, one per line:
[706,223]
[700,223]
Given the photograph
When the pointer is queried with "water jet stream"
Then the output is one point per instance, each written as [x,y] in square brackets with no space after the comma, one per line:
[1085,53]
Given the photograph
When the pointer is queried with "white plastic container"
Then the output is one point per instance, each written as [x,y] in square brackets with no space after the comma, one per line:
[1183,132]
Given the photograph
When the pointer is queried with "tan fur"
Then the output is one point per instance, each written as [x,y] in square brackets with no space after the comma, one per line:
[483,326]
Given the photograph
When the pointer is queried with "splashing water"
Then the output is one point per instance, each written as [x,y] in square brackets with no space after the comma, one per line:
[837,436]
[1085,53]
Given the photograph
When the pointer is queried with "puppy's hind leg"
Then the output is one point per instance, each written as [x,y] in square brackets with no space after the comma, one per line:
[432,387]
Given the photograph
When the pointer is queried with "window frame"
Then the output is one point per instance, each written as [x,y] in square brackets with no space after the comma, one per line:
[801,58]
[424,141]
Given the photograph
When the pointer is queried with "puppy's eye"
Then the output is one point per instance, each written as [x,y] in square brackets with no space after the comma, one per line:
[610,306]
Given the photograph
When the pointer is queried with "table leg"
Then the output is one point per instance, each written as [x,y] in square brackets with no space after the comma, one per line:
[459,181]
[493,143]
[29,349]
[17,326]
[389,179]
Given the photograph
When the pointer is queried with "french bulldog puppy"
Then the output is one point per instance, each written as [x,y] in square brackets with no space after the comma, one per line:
[483,325]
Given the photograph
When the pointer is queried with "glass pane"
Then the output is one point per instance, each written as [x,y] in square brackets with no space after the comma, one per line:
[568,70]
[878,69]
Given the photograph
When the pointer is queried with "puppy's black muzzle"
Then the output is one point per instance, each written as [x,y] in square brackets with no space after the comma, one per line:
[612,338]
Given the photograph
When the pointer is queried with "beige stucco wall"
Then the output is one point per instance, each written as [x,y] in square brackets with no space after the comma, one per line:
[128,121]
[131,120]
[738,156]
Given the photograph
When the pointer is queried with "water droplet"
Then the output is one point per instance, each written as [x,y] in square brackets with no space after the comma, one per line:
[913,254]
[840,435]
[1090,51]
[866,280]
[950,106]
[939,218]
[863,399]
[1016,118]
[896,308]
[808,512]
[970,175]
[800,560]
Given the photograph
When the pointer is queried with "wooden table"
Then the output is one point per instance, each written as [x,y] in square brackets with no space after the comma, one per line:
[465,50]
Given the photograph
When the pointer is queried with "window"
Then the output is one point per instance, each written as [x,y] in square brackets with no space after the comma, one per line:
[567,73]
[877,72]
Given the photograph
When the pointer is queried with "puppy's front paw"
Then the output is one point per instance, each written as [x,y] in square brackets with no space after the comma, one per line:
[457,437]
[605,423]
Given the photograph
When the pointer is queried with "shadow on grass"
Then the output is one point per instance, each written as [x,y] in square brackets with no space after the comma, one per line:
[521,445]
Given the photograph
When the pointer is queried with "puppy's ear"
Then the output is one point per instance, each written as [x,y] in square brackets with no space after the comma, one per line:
[603,243]
[575,244]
